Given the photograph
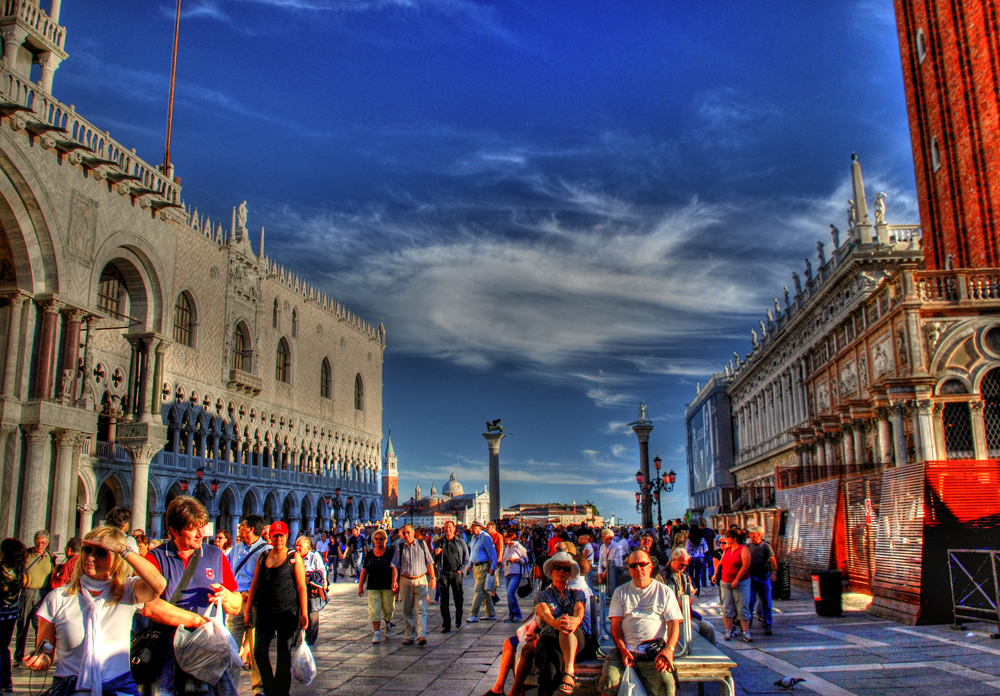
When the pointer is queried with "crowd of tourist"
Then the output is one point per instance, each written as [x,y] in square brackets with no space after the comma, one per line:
[105,613]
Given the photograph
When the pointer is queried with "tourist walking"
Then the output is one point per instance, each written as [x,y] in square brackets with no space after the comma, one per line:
[376,573]
[763,570]
[484,564]
[452,558]
[243,558]
[89,620]
[413,573]
[187,594]
[13,559]
[355,552]
[278,593]
[315,584]
[515,564]
[40,565]
[733,576]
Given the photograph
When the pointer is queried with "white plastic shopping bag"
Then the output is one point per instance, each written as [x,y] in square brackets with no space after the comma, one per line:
[303,662]
[209,651]
[491,583]
[631,685]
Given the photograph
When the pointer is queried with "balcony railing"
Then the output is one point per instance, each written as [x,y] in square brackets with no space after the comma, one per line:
[251,384]
[36,18]
[957,286]
[792,477]
[84,141]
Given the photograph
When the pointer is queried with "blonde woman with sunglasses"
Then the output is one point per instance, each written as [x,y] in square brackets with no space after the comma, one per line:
[89,621]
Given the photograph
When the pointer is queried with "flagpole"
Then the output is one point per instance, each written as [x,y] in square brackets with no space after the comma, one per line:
[173,77]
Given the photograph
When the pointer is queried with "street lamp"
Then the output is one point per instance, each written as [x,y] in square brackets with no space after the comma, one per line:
[659,484]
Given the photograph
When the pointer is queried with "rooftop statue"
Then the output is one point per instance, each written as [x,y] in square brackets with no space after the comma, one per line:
[809,271]
[241,216]
[852,213]
[797,282]
[822,254]
[495,426]
[835,233]
[880,208]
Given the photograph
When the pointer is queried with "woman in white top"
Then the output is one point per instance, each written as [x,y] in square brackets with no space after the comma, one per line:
[515,562]
[89,620]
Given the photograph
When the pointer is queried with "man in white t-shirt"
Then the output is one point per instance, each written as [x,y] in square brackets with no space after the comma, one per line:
[643,612]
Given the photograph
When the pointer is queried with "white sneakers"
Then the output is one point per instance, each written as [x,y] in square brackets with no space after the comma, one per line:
[377,638]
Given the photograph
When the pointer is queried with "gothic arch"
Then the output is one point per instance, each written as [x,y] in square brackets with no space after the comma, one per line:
[23,216]
[137,262]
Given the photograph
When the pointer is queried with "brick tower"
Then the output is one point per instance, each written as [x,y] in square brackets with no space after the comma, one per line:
[952,74]
[390,478]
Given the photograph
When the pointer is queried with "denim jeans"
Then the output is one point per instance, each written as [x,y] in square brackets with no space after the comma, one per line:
[760,590]
[696,570]
[6,631]
[512,606]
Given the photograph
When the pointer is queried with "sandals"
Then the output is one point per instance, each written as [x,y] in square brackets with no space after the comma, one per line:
[567,686]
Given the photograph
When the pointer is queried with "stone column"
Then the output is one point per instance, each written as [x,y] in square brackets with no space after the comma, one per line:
[61,527]
[142,390]
[899,437]
[820,467]
[939,439]
[978,430]
[88,364]
[49,63]
[156,522]
[141,455]
[35,494]
[13,38]
[133,376]
[831,459]
[859,446]
[46,350]
[157,388]
[87,511]
[54,11]
[925,430]
[71,356]
[493,442]
[884,436]
[847,442]
[293,528]
[13,345]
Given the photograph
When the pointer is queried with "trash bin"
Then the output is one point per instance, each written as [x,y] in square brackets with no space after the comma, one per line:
[828,592]
[782,589]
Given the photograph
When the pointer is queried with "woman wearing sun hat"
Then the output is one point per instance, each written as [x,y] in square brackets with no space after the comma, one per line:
[560,612]
[279,592]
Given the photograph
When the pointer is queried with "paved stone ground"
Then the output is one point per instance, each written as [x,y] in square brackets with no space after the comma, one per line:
[855,654]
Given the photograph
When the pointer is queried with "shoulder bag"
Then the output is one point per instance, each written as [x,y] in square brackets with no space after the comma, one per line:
[150,646]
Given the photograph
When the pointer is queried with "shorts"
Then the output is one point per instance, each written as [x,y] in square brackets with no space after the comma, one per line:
[381,605]
[736,600]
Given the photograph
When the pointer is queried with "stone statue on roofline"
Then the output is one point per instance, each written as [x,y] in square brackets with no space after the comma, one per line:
[809,271]
[880,208]
[852,214]
[241,216]
[835,234]
[753,338]
[797,282]
[787,300]
[821,253]
[770,315]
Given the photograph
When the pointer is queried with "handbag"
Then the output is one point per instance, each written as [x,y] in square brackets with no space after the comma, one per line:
[149,647]
[524,585]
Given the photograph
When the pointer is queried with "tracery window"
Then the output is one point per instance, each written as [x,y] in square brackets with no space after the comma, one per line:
[183,320]
[281,363]
[958,430]
[325,374]
[242,353]
[359,393]
[110,290]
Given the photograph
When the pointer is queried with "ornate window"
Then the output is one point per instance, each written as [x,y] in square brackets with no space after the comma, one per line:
[958,430]
[184,320]
[110,291]
[359,393]
[325,379]
[242,350]
[282,362]
[990,390]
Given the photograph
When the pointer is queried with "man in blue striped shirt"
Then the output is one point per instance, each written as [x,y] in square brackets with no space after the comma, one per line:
[484,564]
[243,558]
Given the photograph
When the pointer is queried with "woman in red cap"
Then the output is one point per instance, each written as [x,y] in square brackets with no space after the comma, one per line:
[279,592]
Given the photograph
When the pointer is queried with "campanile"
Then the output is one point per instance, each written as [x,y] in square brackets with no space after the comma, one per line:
[951,69]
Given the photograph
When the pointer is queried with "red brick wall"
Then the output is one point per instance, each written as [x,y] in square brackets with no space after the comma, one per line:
[954,95]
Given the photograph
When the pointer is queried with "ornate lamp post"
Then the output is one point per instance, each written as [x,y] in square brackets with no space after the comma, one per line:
[655,487]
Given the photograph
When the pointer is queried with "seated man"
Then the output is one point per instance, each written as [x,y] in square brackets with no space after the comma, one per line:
[679,581]
[642,614]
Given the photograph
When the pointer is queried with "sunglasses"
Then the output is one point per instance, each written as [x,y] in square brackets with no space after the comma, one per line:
[95,551]
[561,569]
[682,565]
[633,566]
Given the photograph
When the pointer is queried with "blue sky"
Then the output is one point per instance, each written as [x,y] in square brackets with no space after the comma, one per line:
[558,209]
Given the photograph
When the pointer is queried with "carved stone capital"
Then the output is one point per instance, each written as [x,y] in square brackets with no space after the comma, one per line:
[67,439]
[17,300]
[39,435]
[924,407]
[87,508]
[76,315]
[53,307]
[977,406]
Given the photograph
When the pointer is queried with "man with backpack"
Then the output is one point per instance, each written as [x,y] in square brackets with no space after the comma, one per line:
[412,575]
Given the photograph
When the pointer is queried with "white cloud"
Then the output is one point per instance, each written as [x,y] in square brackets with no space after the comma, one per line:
[617,493]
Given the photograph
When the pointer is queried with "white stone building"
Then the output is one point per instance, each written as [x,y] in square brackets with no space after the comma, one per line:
[148,351]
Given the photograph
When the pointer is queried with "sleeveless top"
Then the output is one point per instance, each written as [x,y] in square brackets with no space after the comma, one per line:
[276,589]
[731,564]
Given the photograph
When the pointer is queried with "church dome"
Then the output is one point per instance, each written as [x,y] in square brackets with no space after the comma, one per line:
[453,487]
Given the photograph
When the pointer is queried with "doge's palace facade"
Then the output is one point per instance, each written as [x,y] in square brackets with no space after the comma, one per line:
[148,352]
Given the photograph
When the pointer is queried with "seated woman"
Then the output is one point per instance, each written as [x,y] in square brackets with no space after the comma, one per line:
[559,610]
[517,655]
[89,620]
